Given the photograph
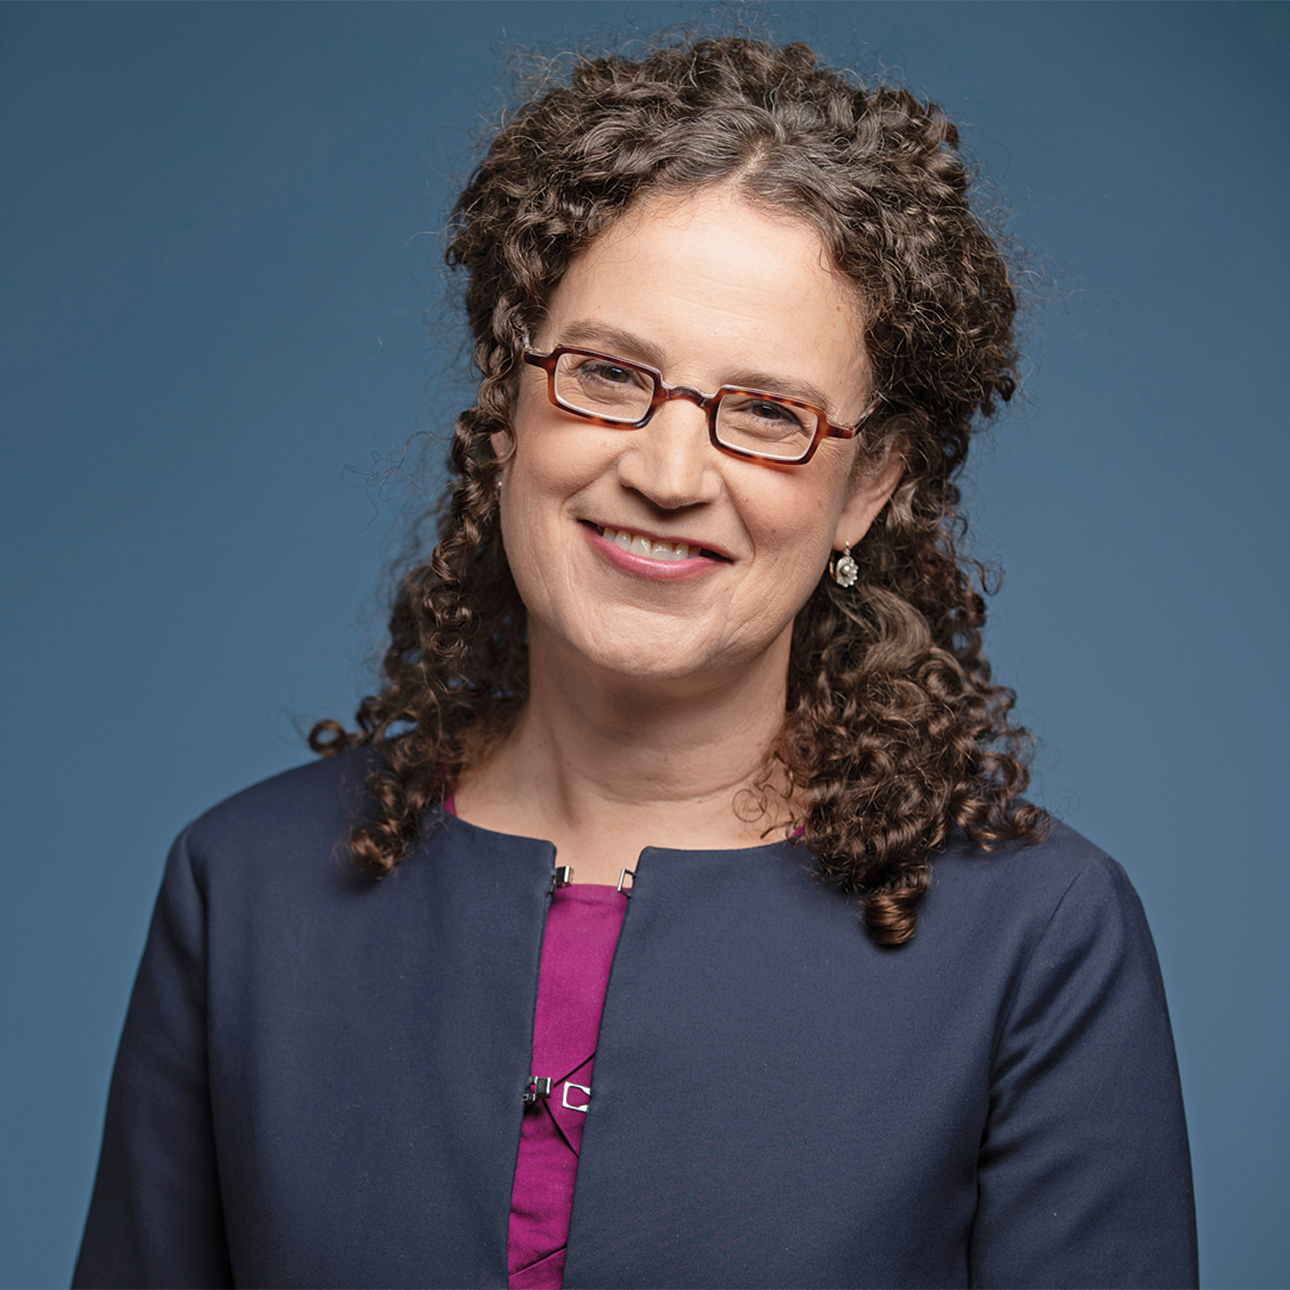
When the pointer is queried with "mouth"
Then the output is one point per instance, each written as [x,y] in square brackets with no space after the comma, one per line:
[654,548]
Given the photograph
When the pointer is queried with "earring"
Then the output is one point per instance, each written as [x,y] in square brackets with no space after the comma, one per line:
[844,570]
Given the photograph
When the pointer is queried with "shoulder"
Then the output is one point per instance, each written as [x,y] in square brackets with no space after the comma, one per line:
[1061,895]
[324,790]
[1038,876]
[291,819]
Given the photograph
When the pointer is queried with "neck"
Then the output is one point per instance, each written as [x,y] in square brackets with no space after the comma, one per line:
[604,765]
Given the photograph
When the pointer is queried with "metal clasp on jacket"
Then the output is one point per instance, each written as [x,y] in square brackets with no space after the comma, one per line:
[538,1089]
[562,877]
[569,1106]
[539,1086]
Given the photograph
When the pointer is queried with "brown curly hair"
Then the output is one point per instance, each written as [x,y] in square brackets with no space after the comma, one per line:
[893,733]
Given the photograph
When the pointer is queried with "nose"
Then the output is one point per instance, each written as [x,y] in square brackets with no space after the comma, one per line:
[670,460]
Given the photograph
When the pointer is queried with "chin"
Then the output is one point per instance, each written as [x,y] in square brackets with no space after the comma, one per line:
[664,658]
[624,647]
[658,663]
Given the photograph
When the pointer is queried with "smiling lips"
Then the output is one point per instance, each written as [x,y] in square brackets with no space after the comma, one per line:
[655,549]
[638,544]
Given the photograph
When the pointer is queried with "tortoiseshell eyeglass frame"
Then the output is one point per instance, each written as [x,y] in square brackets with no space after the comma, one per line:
[824,428]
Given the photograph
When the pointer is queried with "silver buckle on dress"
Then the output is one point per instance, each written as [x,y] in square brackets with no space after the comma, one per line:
[539,1086]
[582,1088]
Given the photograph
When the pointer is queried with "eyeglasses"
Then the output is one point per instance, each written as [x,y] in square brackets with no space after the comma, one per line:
[746,423]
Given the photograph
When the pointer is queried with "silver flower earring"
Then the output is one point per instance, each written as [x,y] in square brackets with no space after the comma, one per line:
[844,570]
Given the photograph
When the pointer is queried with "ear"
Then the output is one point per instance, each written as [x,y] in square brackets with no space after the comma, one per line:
[871,487]
[503,445]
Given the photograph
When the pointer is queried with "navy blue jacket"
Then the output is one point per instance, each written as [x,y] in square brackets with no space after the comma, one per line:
[321,1077]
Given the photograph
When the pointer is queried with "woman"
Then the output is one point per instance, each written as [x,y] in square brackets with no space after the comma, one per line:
[704,874]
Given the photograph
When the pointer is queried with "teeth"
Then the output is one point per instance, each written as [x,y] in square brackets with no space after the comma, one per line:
[639,545]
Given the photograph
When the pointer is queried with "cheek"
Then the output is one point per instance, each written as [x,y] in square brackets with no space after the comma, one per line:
[544,472]
[796,524]
[548,470]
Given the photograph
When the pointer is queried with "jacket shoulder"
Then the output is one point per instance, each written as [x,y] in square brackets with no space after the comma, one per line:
[1041,869]
[297,815]
[1024,891]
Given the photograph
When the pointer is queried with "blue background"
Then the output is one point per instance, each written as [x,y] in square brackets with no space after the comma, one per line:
[224,328]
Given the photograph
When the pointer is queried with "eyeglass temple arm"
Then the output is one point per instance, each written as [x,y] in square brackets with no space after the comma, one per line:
[850,432]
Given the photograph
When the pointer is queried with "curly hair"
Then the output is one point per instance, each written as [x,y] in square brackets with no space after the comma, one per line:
[894,733]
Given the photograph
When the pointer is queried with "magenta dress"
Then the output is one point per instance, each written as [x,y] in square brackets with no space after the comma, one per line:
[582,929]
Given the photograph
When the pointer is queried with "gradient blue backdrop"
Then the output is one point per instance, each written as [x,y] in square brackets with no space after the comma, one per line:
[219,235]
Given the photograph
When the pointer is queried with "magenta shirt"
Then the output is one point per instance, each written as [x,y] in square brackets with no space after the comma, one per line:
[582,927]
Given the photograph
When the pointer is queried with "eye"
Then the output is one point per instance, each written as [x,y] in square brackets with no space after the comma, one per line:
[598,385]
[604,371]
[769,410]
[763,425]
[763,415]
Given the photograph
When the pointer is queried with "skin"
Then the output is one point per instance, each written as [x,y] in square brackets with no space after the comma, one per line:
[654,697]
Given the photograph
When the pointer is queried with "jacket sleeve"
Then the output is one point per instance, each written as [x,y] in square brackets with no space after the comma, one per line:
[1084,1175]
[155,1215]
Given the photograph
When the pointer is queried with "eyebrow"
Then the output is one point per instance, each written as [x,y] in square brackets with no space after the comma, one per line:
[624,344]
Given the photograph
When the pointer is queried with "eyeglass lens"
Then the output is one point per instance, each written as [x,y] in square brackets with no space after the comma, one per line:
[615,390]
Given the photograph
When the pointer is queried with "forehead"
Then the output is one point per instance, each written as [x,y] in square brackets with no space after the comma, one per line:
[711,282]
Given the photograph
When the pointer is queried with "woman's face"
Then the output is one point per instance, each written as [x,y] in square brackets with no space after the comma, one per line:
[711,291]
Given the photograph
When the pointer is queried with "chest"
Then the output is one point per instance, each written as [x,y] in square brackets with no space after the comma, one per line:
[773,1100]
